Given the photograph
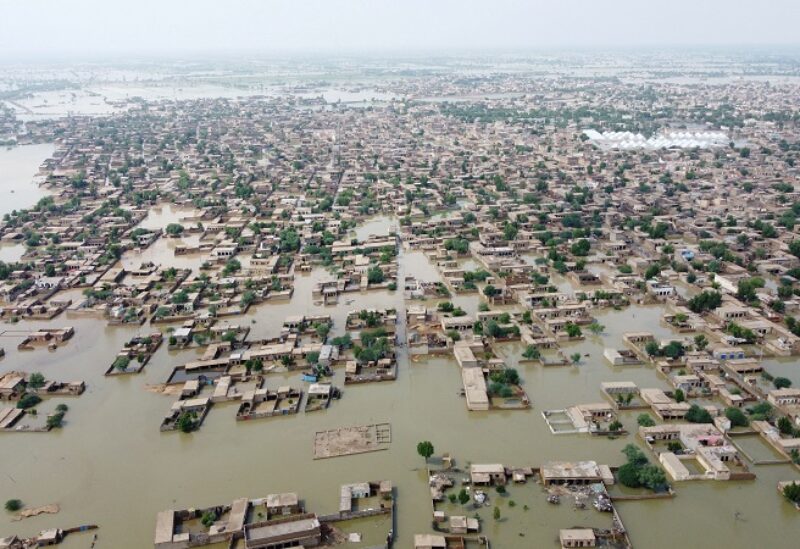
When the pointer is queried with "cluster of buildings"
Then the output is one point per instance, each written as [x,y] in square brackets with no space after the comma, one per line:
[547,202]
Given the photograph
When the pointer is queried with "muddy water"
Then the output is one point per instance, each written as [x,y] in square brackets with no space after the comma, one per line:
[11,252]
[162,251]
[18,168]
[111,466]
[379,225]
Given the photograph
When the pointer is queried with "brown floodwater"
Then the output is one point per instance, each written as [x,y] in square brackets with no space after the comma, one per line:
[18,166]
[111,466]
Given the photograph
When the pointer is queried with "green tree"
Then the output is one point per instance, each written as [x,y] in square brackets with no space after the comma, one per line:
[696,414]
[705,301]
[736,417]
[746,288]
[628,475]
[36,381]
[573,330]
[248,297]
[652,271]
[652,477]
[674,349]
[581,247]
[700,341]
[375,275]
[231,266]
[425,449]
[634,454]
[490,291]
[781,382]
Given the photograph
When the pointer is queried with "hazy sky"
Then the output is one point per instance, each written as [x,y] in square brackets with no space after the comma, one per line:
[65,27]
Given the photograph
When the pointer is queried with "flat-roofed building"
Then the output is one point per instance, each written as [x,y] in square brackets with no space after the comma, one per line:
[570,473]
[300,531]
[493,473]
[429,541]
[464,356]
[475,389]
[577,537]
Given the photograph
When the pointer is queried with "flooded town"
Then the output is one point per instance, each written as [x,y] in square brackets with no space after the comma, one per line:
[421,301]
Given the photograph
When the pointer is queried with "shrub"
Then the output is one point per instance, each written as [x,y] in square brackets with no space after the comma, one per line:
[28,401]
[531,352]
[209,518]
[761,411]
[790,492]
[785,425]
[187,422]
[55,421]
[13,505]
[645,420]
[121,363]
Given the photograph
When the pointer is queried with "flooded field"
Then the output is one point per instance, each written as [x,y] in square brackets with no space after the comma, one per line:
[18,168]
[115,97]
[111,466]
